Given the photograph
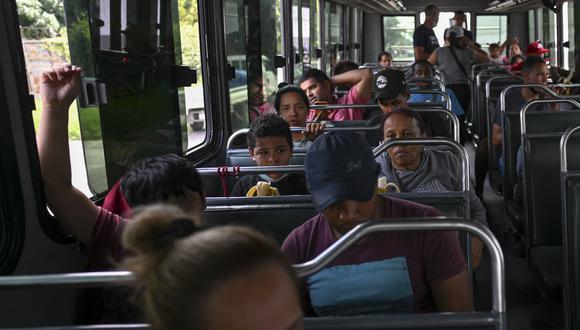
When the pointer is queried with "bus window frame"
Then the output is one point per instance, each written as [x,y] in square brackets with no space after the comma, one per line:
[415,17]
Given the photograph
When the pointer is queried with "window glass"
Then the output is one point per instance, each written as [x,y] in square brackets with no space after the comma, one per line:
[315,47]
[490,29]
[334,35]
[398,37]
[306,34]
[297,44]
[44,41]
[355,35]
[255,77]
[445,21]
[549,35]
[143,55]
[531,25]
[568,33]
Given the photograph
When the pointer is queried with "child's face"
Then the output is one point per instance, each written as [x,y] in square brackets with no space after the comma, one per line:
[494,52]
[271,151]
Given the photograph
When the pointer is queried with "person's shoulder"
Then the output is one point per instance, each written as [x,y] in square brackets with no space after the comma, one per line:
[302,233]
[400,208]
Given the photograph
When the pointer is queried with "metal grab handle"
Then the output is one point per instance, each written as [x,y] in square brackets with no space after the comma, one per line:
[433,142]
[94,279]
[341,106]
[493,79]
[530,104]
[564,145]
[444,95]
[429,80]
[339,129]
[488,70]
[235,135]
[408,224]
[214,171]
[544,87]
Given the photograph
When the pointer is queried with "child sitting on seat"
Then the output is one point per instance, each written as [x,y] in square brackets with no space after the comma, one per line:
[270,144]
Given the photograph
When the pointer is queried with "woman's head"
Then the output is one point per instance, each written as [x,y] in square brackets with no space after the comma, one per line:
[514,50]
[403,123]
[220,278]
[293,105]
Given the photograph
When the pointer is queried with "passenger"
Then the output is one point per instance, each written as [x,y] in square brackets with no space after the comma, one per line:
[461,21]
[386,271]
[385,60]
[495,55]
[424,70]
[424,39]
[221,278]
[292,105]
[259,105]
[167,178]
[270,144]
[342,67]
[454,62]
[319,89]
[534,71]
[392,94]
[418,169]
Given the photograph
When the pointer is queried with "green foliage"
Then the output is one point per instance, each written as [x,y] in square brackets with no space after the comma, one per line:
[189,35]
[40,18]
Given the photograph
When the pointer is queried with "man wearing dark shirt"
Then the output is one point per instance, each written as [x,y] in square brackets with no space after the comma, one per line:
[461,20]
[424,39]
[419,271]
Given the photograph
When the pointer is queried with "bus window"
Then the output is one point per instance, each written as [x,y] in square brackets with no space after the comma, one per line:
[549,34]
[334,32]
[297,37]
[490,29]
[398,37]
[569,34]
[314,37]
[532,25]
[143,96]
[445,21]
[355,34]
[255,77]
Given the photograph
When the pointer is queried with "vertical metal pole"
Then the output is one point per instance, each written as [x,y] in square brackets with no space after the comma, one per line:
[286,12]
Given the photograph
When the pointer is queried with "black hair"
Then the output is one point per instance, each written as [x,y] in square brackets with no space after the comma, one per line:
[423,62]
[385,53]
[266,126]
[515,58]
[344,66]
[459,12]
[493,45]
[290,89]
[430,8]
[156,179]
[409,114]
[315,74]
[531,62]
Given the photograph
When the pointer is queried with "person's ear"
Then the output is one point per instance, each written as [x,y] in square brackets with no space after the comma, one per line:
[251,151]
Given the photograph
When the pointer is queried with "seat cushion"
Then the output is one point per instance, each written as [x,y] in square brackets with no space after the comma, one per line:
[547,269]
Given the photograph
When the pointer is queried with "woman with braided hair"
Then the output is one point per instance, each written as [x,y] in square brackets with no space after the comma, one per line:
[220,278]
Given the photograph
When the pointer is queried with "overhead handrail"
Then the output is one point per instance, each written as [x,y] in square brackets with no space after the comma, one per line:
[340,128]
[235,135]
[544,87]
[431,142]
[235,170]
[535,102]
[438,82]
[409,224]
[446,98]
[564,146]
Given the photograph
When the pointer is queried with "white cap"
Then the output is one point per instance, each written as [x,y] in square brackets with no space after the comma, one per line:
[456,30]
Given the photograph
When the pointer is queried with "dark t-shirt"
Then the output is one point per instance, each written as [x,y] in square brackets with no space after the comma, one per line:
[426,38]
[514,102]
[385,272]
[289,184]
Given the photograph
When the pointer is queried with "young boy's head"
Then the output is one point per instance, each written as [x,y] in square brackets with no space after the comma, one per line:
[270,141]
[165,179]
[494,50]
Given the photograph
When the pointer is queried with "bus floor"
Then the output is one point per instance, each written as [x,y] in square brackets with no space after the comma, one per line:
[526,309]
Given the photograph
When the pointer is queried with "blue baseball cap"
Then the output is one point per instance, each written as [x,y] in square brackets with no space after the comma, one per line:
[340,166]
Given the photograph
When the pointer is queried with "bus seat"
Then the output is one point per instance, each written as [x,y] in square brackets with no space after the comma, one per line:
[542,194]
[242,158]
[571,250]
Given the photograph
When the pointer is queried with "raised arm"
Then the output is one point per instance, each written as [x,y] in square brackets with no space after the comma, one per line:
[361,79]
[71,207]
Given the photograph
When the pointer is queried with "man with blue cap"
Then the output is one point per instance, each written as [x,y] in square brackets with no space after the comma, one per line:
[387,272]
